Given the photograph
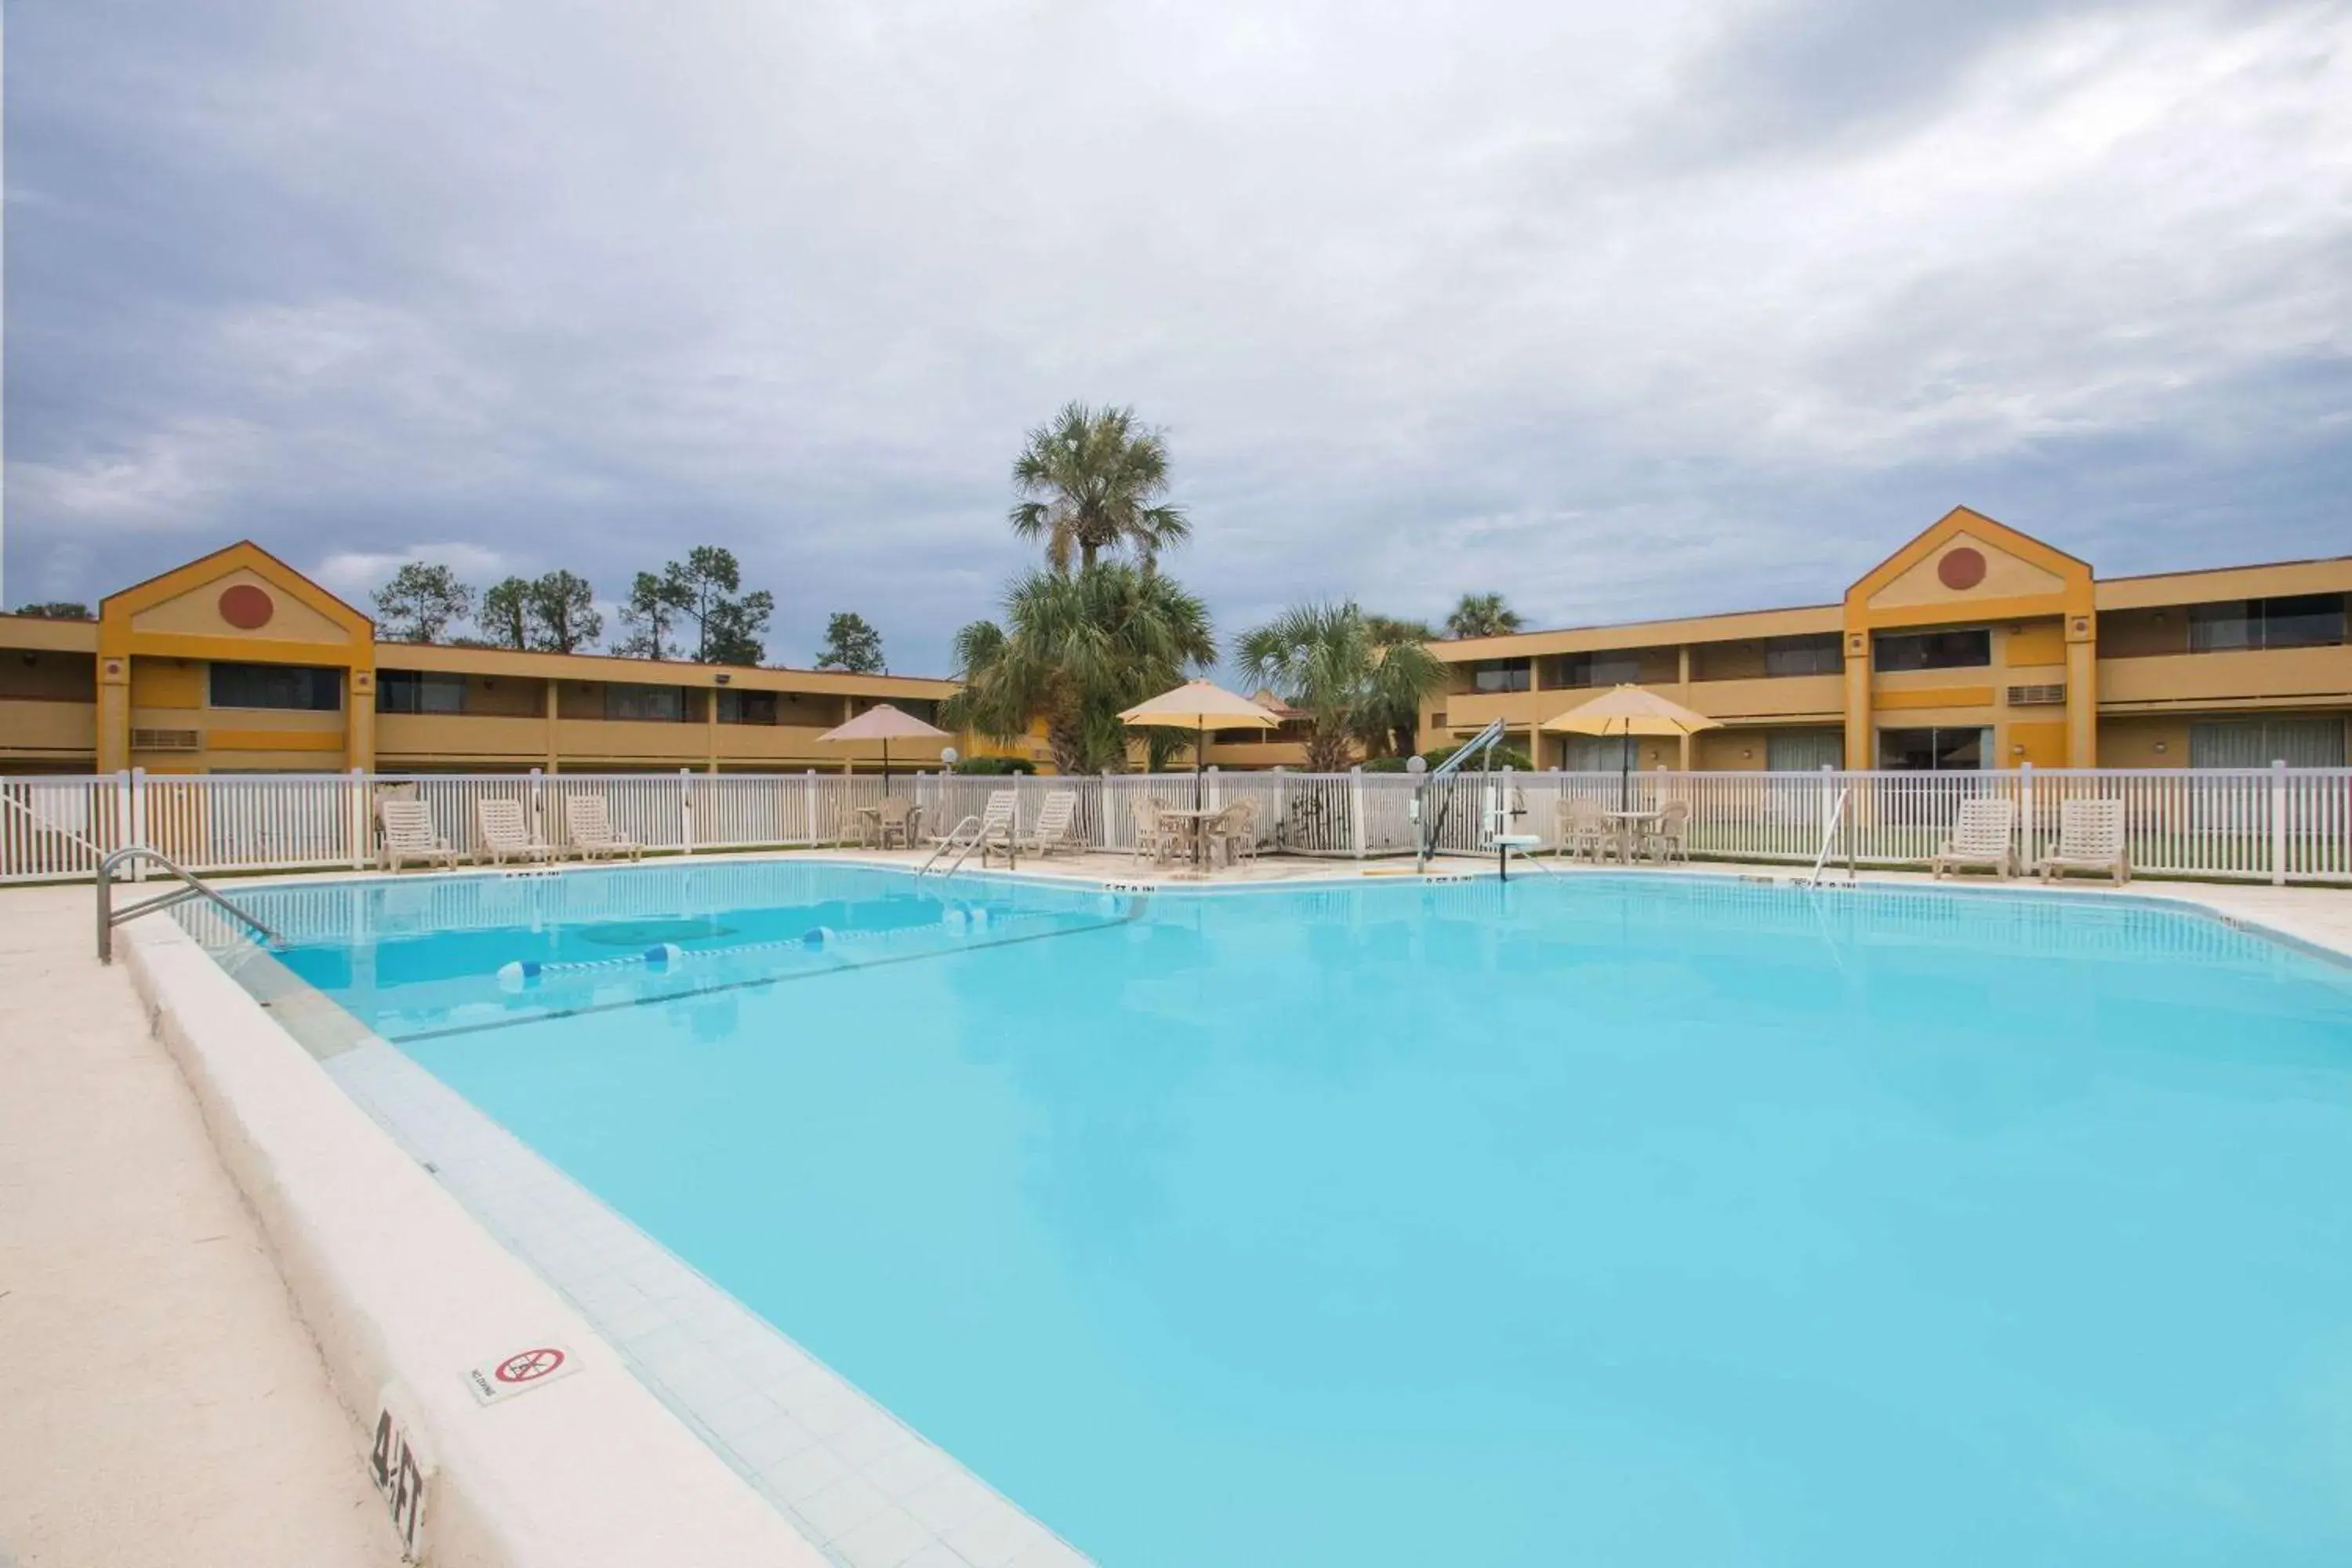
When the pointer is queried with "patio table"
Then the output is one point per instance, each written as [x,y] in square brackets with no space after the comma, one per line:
[1627,824]
[1194,817]
[869,827]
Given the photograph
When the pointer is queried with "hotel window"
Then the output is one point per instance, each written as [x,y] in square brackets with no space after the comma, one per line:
[1501,674]
[1803,750]
[1935,650]
[419,691]
[746,707]
[661,704]
[1804,655]
[2259,743]
[2302,620]
[1616,666]
[1934,751]
[1603,754]
[276,686]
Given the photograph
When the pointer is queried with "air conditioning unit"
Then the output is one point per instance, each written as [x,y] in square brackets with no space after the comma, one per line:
[2053,696]
[167,740]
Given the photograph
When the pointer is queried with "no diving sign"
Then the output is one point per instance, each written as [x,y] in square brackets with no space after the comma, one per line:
[520,1372]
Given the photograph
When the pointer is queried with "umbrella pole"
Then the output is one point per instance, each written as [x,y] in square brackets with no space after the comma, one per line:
[1625,768]
[885,766]
[1200,745]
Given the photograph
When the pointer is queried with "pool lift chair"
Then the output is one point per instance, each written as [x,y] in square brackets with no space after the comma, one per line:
[1504,803]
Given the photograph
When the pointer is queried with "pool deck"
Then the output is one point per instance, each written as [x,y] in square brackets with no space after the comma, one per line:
[160,1402]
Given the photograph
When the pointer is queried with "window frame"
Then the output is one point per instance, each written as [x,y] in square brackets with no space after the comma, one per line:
[613,702]
[1978,636]
[1814,645]
[2255,620]
[323,680]
[391,683]
[1983,738]
[1524,668]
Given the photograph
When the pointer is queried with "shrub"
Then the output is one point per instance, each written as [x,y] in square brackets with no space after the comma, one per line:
[996,766]
[1500,757]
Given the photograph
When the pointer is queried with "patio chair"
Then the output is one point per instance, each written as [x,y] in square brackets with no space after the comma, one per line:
[1232,833]
[589,826]
[1055,829]
[1152,835]
[1667,838]
[1985,834]
[896,818]
[2089,838]
[1000,820]
[503,832]
[1584,832]
[409,834]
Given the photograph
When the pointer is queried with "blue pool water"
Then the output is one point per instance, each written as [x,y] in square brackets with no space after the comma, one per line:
[1611,1221]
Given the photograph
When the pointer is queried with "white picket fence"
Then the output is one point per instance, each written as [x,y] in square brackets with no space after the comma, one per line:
[2272,824]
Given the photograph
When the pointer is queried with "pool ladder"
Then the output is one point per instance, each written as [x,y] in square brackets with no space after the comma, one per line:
[192,887]
[959,845]
[1832,835]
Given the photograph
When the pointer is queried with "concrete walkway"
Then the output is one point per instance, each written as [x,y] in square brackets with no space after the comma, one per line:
[160,1404]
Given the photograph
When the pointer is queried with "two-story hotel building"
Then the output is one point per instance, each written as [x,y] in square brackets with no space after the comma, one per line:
[237,663]
[1973,645]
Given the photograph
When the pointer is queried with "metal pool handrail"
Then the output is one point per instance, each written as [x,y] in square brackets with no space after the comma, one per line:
[108,917]
[956,841]
[1832,832]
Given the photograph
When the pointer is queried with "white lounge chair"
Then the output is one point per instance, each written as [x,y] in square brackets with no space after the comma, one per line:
[503,833]
[1000,820]
[1057,820]
[1986,835]
[2089,838]
[409,834]
[589,826]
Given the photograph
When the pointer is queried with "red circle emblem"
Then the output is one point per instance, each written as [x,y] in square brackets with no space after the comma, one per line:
[529,1365]
[1961,568]
[246,607]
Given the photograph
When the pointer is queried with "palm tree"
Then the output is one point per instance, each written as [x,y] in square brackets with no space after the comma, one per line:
[1397,629]
[1403,713]
[1075,649]
[1481,616]
[1359,690]
[1090,480]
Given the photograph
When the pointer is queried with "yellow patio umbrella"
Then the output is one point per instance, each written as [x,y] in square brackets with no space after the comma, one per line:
[1629,710]
[1199,706]
[884,723]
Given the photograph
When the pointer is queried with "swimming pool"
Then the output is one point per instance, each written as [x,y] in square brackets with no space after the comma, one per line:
[1605,1219]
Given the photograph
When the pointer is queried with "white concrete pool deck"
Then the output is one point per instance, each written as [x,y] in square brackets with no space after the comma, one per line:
[160,1401]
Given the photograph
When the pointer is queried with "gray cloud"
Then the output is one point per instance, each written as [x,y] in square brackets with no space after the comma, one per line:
[1687,309]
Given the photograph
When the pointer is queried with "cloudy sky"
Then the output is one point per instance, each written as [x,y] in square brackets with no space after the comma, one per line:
[1623,311]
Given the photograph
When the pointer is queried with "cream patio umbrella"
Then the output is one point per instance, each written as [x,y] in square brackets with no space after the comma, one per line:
[884,723]
[1629,710]
[1199,706]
